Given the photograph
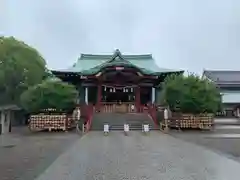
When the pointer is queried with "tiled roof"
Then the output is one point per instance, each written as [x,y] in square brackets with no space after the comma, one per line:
[91,64]
[9,107]
[232,77]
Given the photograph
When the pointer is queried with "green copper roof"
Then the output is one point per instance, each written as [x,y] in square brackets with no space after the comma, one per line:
[89,64]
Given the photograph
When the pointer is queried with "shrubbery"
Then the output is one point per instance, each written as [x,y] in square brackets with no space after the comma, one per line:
[49,94]
[191,94]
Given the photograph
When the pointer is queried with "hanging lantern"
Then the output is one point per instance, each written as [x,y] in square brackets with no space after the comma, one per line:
[123,89]
[114,90]
[105,88]
[111,90]
[131,89]
[126,90]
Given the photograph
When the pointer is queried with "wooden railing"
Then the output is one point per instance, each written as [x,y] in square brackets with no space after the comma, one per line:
[126,107]
[152,111]
[117,108]
[144,109]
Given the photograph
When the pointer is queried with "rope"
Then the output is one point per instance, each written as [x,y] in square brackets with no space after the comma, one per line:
[119,87]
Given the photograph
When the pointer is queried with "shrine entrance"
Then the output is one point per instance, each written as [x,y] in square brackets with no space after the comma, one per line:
[123,88]
[118,99]
[118,94]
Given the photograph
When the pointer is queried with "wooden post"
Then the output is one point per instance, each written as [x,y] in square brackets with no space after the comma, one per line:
[166,119]
[8,120]
[153,95]
[137,100]
[99,96]
[3,120]
[86,95]
[83,127]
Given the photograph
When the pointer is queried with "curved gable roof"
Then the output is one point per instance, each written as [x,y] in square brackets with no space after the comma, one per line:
[91,64]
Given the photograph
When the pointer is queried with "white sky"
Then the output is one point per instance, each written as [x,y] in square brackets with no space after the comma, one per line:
[181,34]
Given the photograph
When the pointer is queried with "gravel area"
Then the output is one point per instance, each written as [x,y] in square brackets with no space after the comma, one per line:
[139,157]
[25,155]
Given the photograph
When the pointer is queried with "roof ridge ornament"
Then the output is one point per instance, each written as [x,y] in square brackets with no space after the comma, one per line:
[116,53]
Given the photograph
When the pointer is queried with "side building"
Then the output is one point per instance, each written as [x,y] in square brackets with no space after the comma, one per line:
[229,84]
[116,78]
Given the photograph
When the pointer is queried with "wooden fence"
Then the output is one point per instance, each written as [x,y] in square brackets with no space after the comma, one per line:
[51,122]
[189,121]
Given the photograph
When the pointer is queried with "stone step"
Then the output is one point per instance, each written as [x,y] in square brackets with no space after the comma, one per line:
[227,121]
[131,127]
[116,121]
[226,129]
[227,136]
[218,127]
[121,127]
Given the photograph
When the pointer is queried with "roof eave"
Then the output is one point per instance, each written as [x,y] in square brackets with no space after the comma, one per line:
[170,72]
[12,107]
[87,72]
[55,72]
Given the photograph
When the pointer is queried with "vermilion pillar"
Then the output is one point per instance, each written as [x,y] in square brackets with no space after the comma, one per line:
[99,96]
[137,99]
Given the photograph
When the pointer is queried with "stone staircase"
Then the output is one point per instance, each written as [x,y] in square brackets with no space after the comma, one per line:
[116,121]
[227,127]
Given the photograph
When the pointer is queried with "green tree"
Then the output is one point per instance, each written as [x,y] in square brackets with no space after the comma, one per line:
[21,66]
[51,93]
[191,94]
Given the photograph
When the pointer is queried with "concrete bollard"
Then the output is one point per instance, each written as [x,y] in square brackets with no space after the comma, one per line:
[146,128]
[106,129]
[126,129]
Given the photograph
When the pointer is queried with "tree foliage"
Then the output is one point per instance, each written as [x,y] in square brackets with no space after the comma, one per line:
[49,94]
[21,66]
[191,94]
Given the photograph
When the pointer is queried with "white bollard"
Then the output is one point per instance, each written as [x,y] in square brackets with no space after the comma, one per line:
[106,129]
[126,129]
[146,128]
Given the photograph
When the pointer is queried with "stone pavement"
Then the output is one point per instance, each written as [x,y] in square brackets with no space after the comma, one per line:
[224,138]
[25,155]
[139,157]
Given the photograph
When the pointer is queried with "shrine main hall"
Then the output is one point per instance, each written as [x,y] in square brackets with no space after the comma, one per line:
[116,79]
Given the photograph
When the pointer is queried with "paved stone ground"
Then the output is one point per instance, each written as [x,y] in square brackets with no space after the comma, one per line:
[229,145]
[139,157]
[25,155]
[224,139]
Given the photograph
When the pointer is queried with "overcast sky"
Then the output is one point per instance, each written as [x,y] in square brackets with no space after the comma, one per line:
[181,34]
